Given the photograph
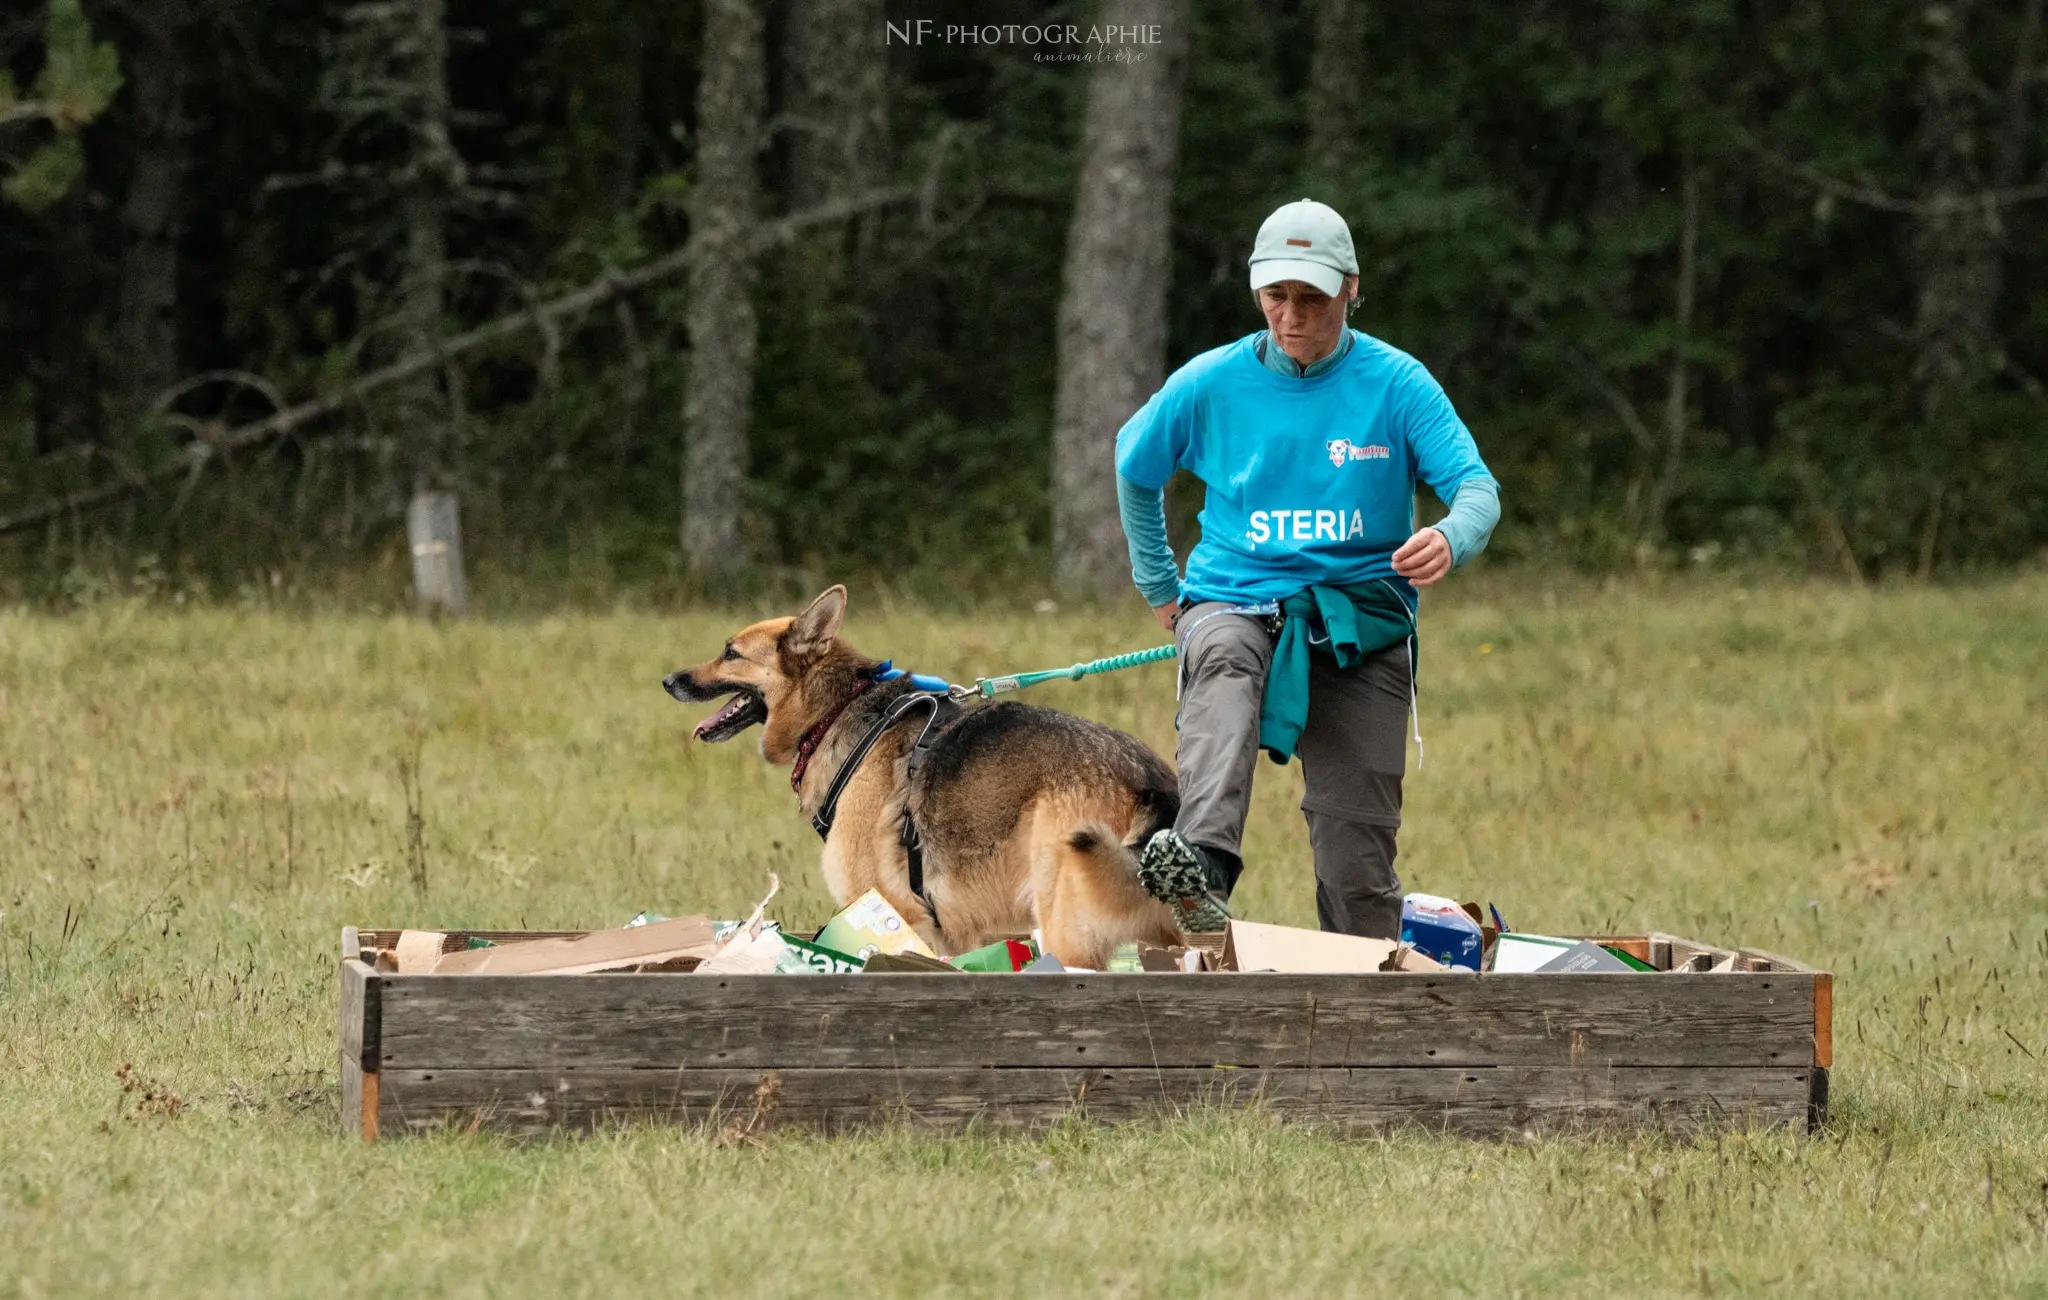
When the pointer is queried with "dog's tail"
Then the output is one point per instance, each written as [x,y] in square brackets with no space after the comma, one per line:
[1089,899]
[1097,841]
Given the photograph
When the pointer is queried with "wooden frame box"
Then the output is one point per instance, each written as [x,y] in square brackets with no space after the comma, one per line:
[1487,1055]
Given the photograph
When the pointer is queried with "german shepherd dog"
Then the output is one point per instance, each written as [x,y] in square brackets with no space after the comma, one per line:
[1028,817]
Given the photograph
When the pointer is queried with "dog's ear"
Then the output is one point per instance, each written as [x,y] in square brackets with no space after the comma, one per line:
[814,629]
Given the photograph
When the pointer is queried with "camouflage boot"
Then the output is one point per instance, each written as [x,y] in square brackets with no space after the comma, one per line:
[1172,871]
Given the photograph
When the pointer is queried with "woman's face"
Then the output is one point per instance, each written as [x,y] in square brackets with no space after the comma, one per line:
[1306,321]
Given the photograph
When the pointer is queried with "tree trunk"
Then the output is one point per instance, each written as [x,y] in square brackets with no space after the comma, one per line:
[428,417]
[433,532]
[426,194]
[835,116]
[1112,319]
[1677,387]
[152,214]
[1336,76]
[1956,240]
[720,318]
[837,101]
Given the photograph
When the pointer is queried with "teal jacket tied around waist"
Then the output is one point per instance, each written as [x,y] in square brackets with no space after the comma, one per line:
[1354,621]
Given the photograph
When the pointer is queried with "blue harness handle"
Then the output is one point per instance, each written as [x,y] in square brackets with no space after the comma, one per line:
[888,672]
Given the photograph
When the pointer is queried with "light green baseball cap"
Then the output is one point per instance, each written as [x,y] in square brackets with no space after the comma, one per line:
[1307,241]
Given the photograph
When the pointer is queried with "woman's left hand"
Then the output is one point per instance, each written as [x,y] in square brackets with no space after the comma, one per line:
[1424,558]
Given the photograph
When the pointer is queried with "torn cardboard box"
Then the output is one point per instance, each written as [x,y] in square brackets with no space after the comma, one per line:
[758,953]
[908,963]
[806,957]
[603,950]
[1175,960]
[868,925]
[1442,929]
[1253,946]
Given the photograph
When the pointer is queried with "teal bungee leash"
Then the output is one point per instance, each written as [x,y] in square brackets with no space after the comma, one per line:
[988,688]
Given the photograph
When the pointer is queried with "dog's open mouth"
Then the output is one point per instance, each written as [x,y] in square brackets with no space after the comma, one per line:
[740,712]
[743,710]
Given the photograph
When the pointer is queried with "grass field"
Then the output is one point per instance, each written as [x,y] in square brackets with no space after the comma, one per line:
[193,802]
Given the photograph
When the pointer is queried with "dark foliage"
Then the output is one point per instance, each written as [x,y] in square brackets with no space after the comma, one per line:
[1517,185]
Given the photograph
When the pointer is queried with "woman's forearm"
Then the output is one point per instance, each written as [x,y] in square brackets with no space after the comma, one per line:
[1143,511]
[1475,509]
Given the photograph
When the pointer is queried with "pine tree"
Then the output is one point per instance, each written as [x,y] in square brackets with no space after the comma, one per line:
[80,78]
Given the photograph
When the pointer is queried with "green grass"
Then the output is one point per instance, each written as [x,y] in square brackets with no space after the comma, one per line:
[192,803]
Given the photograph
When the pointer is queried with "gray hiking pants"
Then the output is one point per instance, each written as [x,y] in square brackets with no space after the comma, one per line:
[1353,753]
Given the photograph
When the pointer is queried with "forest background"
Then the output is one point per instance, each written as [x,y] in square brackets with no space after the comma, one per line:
[719,292]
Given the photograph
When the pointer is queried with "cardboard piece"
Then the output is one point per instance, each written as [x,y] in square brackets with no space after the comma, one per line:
[1047,964]
[754,946]
[1253,946]
[909,963]
[1627,958]
[757,921]
[418,951]
[759,953]
[1519,953]
[1584,958]
[1168,961]
[805,957]
[602,950]
[868,925]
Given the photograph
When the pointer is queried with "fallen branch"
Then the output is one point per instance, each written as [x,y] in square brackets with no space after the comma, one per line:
[542,318]
[1928,206]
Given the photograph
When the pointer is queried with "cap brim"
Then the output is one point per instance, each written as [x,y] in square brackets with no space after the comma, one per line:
[1326,278]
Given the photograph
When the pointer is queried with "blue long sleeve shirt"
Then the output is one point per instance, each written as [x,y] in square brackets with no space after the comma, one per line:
[1378,393]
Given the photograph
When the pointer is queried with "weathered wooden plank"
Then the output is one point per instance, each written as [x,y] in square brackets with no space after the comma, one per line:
[351,1094]
[1475,1102]
[360,1007]
[1765,960]
[1258,1020]
[1683,951]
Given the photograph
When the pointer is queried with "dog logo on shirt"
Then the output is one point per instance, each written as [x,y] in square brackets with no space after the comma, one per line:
[1343,450]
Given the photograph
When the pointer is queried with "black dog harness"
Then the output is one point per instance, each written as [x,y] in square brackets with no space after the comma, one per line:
[940,711]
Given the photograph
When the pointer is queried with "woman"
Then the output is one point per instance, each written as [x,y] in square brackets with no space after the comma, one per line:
[1296,618]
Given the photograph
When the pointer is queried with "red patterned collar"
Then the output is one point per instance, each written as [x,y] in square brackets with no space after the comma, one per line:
[816,735]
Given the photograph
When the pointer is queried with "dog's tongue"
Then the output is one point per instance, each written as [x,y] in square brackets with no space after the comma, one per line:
[732,707]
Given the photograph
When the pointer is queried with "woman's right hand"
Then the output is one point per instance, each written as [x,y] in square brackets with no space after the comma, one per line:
[1165,615]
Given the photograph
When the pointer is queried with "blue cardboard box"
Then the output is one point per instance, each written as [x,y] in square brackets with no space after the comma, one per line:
[1440,928]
